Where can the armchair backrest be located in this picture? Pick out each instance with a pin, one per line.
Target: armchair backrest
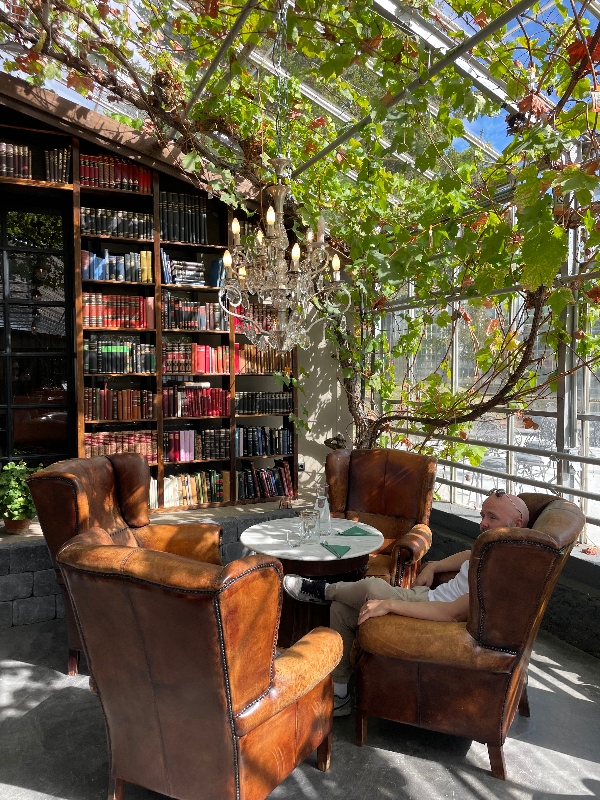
(513, 572)
(199, 643)
(389, 489)
(110, 492)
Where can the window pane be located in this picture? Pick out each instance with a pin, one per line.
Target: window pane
(3, 438)
(35, 231)
(39, 430)
(37, 328)
(35, 276)
(39, 381)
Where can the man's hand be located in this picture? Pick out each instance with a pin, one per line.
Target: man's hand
(373, 608)
(426, 576)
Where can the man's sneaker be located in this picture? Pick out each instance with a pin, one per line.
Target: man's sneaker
(305, 589)
(342, 706)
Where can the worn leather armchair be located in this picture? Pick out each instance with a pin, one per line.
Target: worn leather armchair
(391, 490)
(110, 492)
(204, 709)
(468, 679)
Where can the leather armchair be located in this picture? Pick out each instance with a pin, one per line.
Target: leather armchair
(110, 492)
(391, 490)
(468, 679)
(204, 709)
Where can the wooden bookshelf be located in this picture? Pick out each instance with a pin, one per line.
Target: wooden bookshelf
(73, 195)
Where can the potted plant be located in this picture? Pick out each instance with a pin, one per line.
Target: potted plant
(16, 503)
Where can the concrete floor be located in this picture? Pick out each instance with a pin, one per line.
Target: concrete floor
(53, 746)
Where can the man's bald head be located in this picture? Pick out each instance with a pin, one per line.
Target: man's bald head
(504, 511)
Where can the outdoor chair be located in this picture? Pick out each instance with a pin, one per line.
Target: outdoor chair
(391, 490)
(468, 679)
(205, 708)
(110, 492)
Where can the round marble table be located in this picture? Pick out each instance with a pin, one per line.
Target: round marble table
(311, 561)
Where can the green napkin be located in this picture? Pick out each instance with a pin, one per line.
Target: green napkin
(338, 550)
(355, 531)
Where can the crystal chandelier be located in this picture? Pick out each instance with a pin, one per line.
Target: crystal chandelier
(275, 294)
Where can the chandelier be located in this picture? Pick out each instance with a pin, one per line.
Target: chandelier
(276, 294)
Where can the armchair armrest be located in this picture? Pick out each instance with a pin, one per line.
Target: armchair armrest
(408, 550)
(198, 540)
(445, 643)
(297, 670)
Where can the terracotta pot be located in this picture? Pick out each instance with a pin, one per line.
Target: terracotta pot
(16, 525)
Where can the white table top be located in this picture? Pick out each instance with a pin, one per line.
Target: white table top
(270, 538)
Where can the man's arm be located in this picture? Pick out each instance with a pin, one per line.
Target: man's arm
(449, 564)
(454, 611)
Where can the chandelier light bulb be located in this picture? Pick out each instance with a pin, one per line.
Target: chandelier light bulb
(309, 235)
(296, 252)
(259, 237)
(235, 225)
(271, 218)
(227, 262)
(335, 266)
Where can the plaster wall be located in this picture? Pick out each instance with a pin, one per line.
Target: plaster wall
(327, 408)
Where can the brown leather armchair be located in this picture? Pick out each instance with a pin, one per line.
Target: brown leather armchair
(391, 490)
(110, 492)
(204, 708)
(469, 678)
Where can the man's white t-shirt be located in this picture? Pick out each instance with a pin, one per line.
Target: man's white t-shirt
(455, 588)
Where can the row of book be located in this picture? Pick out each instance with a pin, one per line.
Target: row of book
(263, 441)
(120, 224)
(15, 160)
(207, 486)
(117, 404)
(120, 356)
(249, 359)
(189, 358)
(264, 403)
(110, 172)
(265, 316)
(105, 443)
(192, 445)
(192, 401)
(191, 273)
(183, 218)
(265, 482)
(187, 314)
(57, 164)
(117, 311)
(126, 267)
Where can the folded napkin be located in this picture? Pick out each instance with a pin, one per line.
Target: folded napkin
(355, 531)
(338, 550)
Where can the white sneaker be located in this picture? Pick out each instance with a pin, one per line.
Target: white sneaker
(342, 706)
(305, 589)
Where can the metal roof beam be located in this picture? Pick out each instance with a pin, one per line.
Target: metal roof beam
(447, 60)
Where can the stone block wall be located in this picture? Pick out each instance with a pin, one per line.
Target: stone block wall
(28, 588)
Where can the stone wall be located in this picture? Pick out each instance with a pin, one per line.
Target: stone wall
(28, 588)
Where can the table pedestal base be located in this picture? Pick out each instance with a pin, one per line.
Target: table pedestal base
(297, 619)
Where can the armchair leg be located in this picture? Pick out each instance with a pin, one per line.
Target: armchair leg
(360, 727)
(115, 788)
(497, 764)
(73, 662)
(324, 753)
(524, 703)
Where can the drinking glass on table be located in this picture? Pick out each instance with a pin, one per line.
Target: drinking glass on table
(309, 526)
(322, 507)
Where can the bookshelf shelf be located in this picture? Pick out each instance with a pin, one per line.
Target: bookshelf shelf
(117, 283)
(106, 238)
(105, 190)
(255, 458)
(196, 287)
(195, 330)
(85, 210)
(121, 330)
(36, 184)
(219, 247)
(171, 419)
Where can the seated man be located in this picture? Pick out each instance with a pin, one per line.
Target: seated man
(353, 603)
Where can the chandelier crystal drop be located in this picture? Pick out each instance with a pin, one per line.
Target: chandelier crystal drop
(293, 293)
